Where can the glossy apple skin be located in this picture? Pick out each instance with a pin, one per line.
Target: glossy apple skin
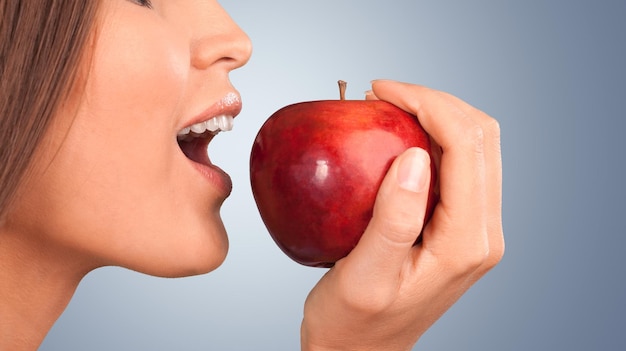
(315, 169)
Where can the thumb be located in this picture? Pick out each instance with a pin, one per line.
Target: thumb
(397, 219)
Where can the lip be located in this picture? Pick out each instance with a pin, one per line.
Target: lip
(229, 104)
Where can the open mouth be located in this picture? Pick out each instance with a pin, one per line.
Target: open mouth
(194, 140)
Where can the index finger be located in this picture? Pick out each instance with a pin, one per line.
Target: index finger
(462, 204)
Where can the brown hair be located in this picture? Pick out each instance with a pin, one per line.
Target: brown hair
(41, 46)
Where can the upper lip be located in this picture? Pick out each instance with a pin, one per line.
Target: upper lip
(229, 105)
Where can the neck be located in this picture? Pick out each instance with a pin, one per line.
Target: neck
(37, 283)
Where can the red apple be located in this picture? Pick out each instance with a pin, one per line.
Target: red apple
(315, 169)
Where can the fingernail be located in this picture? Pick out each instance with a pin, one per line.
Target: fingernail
(412, 170)
(379, 80)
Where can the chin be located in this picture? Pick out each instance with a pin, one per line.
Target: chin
(201, 253)
(201, 259)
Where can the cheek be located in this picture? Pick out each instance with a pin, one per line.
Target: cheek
(143, 80)
(126, 122)
(111, 185)
(110, 180)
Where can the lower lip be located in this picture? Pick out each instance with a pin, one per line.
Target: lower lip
(216, 176)
(198, 156)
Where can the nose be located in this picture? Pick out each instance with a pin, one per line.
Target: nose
(220, 41)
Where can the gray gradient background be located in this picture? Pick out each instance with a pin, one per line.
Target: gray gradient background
(550, 71)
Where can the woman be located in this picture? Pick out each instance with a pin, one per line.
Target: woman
(97, 169)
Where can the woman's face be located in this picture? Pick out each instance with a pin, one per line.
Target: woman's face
(113, 179)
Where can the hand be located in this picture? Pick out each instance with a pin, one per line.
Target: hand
(387, 292)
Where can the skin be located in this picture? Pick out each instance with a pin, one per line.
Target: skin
(386, 293)
(110, 186)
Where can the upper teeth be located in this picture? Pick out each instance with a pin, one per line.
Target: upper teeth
(213, 125)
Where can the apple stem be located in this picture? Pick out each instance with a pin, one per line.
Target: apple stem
(342, 89)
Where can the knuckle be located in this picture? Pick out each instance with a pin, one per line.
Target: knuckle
(495, 257)
(492, 132)
(470, 261)
(496, 253)
(472, 136)
(476, 137)
(444, 96)
(397, 231)
(492, 128)
(477, 259)
(367, 301)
